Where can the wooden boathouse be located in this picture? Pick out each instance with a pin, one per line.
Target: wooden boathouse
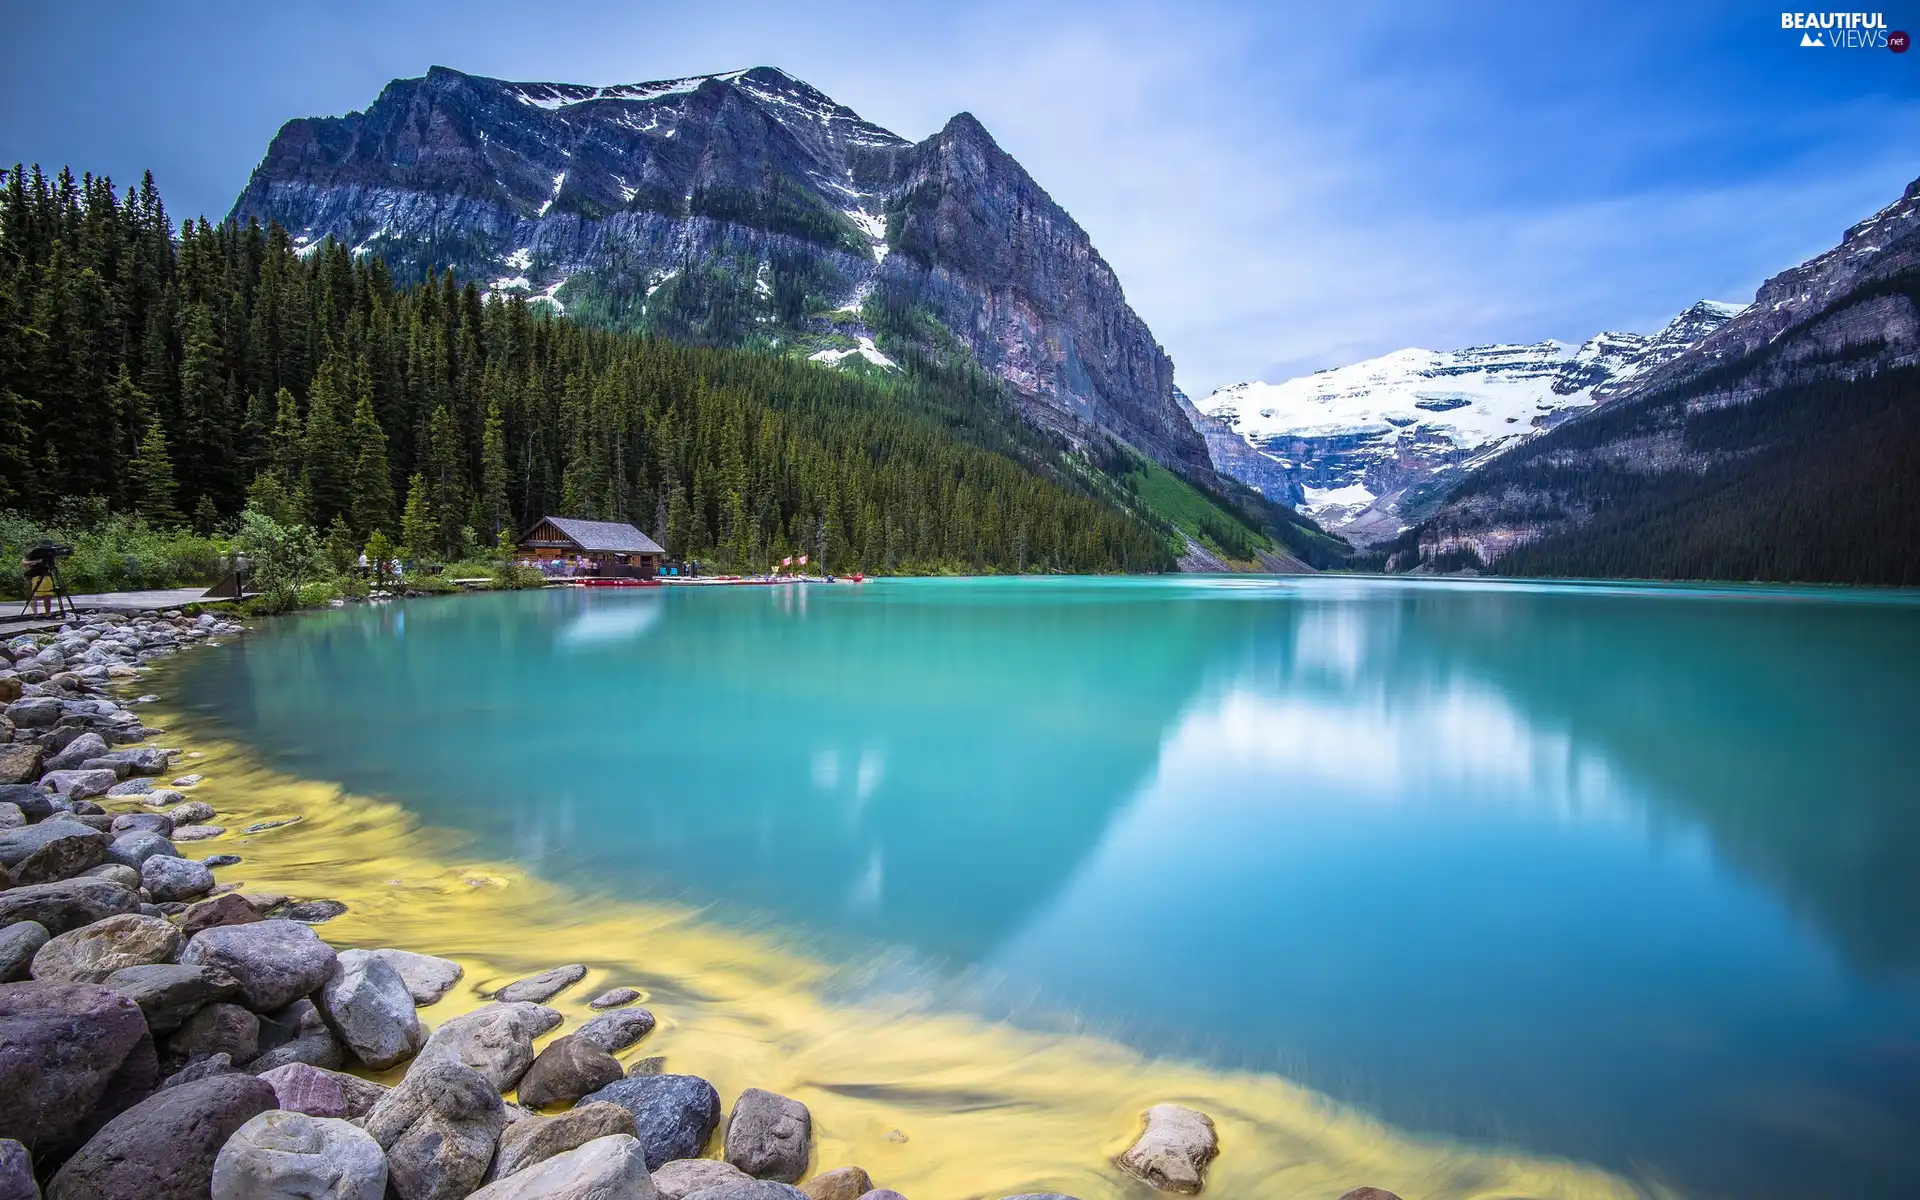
(607, 549)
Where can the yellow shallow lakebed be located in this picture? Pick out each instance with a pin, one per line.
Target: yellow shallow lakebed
(937, 1105)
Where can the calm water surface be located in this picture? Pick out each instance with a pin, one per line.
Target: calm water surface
(1630, 875)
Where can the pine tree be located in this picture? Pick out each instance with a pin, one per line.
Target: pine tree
(492, 499)
(419, 524)
(340, 545)
(370, 500)
(150, 482)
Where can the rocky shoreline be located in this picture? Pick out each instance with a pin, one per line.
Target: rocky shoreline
(164, 1034)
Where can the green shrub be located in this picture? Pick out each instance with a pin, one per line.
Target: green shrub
(111, 553)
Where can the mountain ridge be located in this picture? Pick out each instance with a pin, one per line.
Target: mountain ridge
(1367, 447)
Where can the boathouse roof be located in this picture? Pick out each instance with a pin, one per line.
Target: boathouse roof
(616, 537)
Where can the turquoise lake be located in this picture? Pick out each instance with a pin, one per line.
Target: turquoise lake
(1629, 875)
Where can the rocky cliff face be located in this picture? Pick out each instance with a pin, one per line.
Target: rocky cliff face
(1690, 450)
(743, 207)
(1369, 449)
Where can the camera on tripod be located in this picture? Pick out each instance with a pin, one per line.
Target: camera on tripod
(41, 566)
(40, 559)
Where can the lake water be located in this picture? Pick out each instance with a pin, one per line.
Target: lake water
(1625, 875)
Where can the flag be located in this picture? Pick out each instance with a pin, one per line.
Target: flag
(787, 561)
(803, 560)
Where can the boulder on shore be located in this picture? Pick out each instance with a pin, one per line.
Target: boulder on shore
(275, 962)
(769, 1136)
(615, 1031)
(368, 1006)
(164, 1147)
(169, 878)
(66, 904)
(684, 1176)
(567, 1069)
(438, 1128)
(841, 1183)
(495, 1040)
(673, 1115)
(1173, 1151)
(55, 849)
(169, 993)
(73, 1055)
(603, 1169)
(292, 1156)
(538, 989)
(318, 1092)
(531, 1139)
(92, 953)
(19, 942)
(427, 978)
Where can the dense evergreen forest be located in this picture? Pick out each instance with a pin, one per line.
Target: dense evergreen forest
(183, 375)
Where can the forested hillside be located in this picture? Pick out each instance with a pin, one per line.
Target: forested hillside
(183, 376)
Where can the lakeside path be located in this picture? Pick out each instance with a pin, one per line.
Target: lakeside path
(936, 1105)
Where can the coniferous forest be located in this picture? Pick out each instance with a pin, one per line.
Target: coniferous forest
(184, 375)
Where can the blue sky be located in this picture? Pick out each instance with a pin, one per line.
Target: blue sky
(1279, 187)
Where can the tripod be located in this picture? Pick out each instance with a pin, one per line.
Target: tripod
(45, 585)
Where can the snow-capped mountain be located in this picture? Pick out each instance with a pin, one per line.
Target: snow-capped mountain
(1362, 448)
(725, 208)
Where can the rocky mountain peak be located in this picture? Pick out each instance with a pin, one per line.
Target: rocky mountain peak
(723, 207)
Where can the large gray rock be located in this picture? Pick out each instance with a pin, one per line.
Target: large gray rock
(673, 1115)
(164, 1147)
(320, 1049)
(538, 989)
(749, 1189)
(135, 847)
(1173, 1151)
(16, 1172)
(93, 953)
(127, 877)
(615, 1031)
(78, 751)
(613, 998)
(83, 784)
(275, 962)
(72, 1055)
(684, 1176)
(370, 1009)
(19, 763)
(217, 1029)
(35, 712)
(1368, 1193)
(146, 760)
(293, 1156)
(567, 1069)
(769, 1136)
(141, 822)
(608, 1168)
(55, 849)
(228, 908)
(438, 1128)
(318, 1092)
(169, 993)
(10, 816)
(427, 978)
(531, 1139)
(19, 942)
(34, 801)
(168, 878)
(841, 1183)
(495, 1040)
(67, 904)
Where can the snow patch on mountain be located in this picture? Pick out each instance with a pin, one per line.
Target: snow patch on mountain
(865, 349)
